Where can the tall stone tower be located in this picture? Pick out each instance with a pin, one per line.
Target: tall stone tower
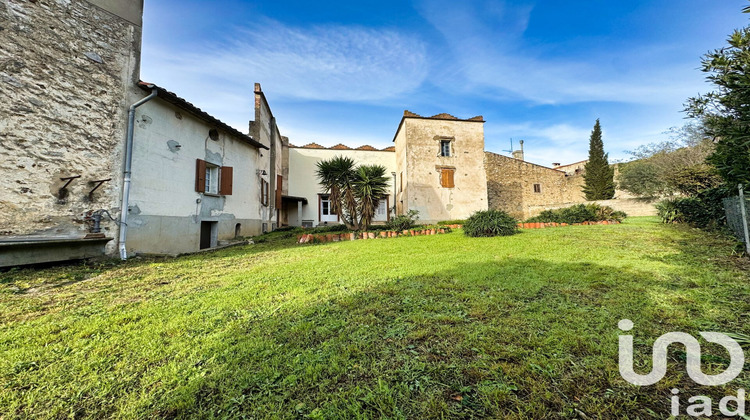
(440, 166)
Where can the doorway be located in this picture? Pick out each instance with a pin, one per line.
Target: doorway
(209, 232)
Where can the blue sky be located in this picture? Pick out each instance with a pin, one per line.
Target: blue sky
(542, 71)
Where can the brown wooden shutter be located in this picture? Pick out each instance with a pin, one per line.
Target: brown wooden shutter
(279, 182)
(446, 178)
(226, 180)
(200, 175)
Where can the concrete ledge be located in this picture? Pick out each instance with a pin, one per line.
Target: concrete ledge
(25, 250)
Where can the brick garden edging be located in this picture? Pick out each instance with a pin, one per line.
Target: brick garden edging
(553, 224)
(353, 236)
(309, 238)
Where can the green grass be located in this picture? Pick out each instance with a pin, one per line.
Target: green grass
(441, 326)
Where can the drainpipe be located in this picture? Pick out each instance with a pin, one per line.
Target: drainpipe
(126, 172)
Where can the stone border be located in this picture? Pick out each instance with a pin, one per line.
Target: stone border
(383, 234)
(540, 225)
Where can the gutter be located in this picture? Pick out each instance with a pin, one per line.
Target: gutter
(127, 171)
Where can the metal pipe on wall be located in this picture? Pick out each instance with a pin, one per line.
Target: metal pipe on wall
(127, 172)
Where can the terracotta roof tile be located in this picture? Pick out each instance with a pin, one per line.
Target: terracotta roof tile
(313, 146)
(365, 147)
(477, 118)
(408, 113)
(340, 147)
(444, 116)
(390, 149)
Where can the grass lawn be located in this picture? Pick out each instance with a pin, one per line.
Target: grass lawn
(445, 326)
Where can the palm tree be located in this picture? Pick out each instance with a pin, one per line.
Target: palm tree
(337, 175)
(370, 186)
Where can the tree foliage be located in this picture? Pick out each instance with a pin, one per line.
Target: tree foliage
(677, 165)
(599, 176)
(354, 192)
(725, 112)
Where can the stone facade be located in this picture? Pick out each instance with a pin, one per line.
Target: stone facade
(516, 186)
(67, 74)
(439, 161)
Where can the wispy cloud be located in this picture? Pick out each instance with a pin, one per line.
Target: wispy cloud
(497, 63)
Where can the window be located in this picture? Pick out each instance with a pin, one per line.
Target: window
(307, 223)
(445, 148)
(446, 177)
(537, 188)
(326, 209)
(213, 179)
(401, 182)
(264, 192)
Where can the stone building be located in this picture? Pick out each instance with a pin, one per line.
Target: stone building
(522, 188)
(438, 164)
(68, 72)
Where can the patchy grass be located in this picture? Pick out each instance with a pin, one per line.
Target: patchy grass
(442, 326)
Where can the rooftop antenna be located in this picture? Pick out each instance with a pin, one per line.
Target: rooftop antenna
(511, 146)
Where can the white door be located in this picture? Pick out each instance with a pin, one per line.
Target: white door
(381, 214)
(326, 212)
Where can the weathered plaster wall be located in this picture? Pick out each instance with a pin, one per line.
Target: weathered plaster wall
(165, 209)
(64, 69)
(264, 130)
(302, 167)
(510, 185)
(424, 193)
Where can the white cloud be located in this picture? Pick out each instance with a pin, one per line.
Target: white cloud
(497, 64)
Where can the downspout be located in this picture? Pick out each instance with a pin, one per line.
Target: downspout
(126, 172)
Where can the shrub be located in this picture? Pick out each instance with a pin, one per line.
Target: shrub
(451, 222)
(490, 223)
(668, 210)
(404, 221)
(578, 214)
(704, 210)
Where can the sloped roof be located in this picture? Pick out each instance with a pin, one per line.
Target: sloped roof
(183, 104)
(341, 146)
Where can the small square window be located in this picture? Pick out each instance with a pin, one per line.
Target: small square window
(537, 188)
(445, 148)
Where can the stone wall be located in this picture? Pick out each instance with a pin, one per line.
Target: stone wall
(511, 185)
(67, 68)
(631, 206)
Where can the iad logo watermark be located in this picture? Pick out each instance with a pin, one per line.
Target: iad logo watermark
(703, 404)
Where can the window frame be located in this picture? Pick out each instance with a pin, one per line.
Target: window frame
(537, 188)
(446, 148)
(330, 208)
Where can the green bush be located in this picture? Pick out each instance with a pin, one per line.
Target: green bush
(668, 210)
(578, 214)
(704, 210)
(404, 221)
(490, 223)
(451, 222)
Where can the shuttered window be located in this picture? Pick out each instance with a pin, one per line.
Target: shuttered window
(212, 179)
(446, 177)
(226, 173)
(264, 192)
(279, 189)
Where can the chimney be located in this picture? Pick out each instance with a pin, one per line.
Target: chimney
(518, 154)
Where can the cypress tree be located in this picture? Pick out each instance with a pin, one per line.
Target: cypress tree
(599, 176)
